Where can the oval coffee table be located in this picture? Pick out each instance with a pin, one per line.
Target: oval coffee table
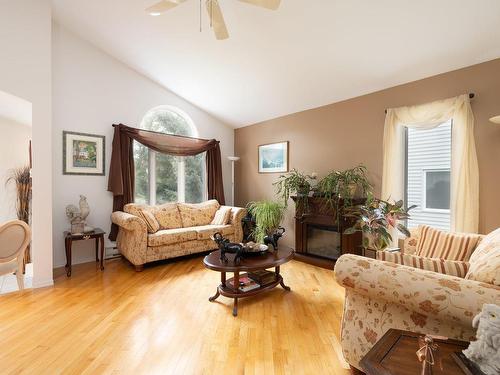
(230, 287)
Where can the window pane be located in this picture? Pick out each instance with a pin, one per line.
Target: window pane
(429, 151)
(437, 186)
(141, 161)
(172, 179)
(166, 178)
(167, 121)
(195, 178)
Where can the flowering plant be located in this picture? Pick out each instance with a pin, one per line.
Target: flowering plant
(375, 218)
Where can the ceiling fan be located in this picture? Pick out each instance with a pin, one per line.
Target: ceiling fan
(214, 12)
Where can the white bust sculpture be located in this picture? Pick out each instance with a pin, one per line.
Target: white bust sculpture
(485, 351)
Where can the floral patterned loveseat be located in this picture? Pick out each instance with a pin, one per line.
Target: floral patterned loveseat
(382, 295)
(150, 233)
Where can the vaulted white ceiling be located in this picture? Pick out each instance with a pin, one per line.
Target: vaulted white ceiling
(306, 54)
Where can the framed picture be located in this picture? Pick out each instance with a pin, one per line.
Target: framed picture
(273, 157)
(83, 154)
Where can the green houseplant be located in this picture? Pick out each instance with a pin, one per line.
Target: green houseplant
(376, 218)
(268, 216)
(293, 182)
(343, 185)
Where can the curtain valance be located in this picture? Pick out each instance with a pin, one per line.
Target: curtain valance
(122, 175)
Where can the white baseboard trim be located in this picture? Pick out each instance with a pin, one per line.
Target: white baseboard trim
(42, 283)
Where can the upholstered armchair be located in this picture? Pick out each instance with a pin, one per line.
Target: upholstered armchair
(384, 294)
(15, 237)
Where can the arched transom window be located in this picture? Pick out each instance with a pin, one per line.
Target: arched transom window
(161, 178)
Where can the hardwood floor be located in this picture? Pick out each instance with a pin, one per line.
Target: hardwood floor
(160, 321)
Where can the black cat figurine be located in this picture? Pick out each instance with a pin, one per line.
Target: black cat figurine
(272, 239)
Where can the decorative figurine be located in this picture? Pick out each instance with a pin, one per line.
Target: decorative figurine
(77, 216)
(228, 247)
(272, 239)
(426, 354)
(485, 351)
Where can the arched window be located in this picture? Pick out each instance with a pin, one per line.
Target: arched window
(161, 178)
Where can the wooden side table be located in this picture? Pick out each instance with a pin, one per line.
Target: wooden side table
(395, 354)
(97, 234)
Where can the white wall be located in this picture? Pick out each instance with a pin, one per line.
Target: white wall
(14, 146)
(92, 91)
(25, 44)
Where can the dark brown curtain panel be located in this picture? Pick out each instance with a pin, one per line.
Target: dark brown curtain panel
(122, 175)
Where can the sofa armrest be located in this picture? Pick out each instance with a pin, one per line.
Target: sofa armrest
(424, 292)
(132, 240)
(128, 221)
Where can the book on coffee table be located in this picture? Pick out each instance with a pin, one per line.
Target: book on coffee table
(247, 284)
(262, 277)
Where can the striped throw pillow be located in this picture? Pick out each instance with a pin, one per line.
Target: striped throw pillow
(149, 218)
(434, 243)
(447, 267)
(222, 216)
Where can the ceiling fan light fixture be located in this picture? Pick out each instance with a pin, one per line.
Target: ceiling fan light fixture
(216, 18)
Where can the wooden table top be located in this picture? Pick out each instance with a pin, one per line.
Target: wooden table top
(395, 354)
(251, 263)
(92, 234)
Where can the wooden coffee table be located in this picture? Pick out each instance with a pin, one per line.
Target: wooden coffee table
(229, 287)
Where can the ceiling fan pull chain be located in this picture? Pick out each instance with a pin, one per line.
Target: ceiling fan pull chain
(200, 15)
(211, 12)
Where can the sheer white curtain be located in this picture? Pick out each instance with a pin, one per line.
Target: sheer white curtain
(464, 204)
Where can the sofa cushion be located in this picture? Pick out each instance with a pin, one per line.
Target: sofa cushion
(434, 243)
(485, 261)
(134, 208)
(168, 216)
(448, 267)
(204, 232)
(150, 220)
(196, 214)
(171, 236)
(222, 216)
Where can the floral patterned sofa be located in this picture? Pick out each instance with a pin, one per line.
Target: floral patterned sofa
(150, 233)
(382, 295)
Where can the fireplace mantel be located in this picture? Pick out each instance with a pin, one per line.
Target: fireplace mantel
(318, 215)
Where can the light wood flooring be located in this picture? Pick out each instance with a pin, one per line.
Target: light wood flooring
(160, 321)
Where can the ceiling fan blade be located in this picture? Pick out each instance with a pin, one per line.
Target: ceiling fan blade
(217, 20)
(163, 6)
(268, 4)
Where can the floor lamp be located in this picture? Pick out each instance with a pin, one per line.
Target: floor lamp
(232, 159)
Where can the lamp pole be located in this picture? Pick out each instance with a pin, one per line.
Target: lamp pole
(232, 159)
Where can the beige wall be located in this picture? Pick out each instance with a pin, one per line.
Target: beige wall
(344, 134)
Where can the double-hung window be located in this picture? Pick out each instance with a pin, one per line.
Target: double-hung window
(161, 178)
(428, 163)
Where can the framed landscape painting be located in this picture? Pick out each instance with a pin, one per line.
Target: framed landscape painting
(273, 158)
(83, 154)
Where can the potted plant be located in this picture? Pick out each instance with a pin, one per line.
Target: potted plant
(375, 219)
(294, 182)
(344, 185)
(268, 216)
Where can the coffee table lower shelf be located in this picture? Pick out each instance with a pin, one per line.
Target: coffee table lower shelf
(227, 289)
